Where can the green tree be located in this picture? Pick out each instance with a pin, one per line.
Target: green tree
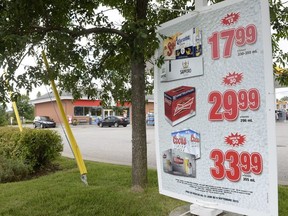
(285, 98)
(279, 23)
(88, 51)
(3, 116)
(25, 109)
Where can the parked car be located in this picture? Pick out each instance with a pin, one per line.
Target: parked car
(113, 121)
(43, 122)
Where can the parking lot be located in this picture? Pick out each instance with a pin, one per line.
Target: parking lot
(113, 145)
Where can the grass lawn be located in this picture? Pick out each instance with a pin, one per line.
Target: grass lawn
(63, 193)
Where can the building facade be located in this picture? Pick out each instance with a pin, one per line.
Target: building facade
(82, 110)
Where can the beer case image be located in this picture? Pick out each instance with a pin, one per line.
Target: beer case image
(179, 104)
(188, 141)
(179, 163)
(189, 44)
(169, 46)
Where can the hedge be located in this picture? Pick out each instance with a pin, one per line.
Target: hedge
(35, 148)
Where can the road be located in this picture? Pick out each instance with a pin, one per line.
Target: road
(113, 145)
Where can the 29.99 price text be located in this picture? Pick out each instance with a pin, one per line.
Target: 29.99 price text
(227, 105)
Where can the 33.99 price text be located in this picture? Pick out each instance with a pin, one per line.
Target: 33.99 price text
(237, 164)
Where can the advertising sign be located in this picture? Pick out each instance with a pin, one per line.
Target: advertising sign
(214, 106)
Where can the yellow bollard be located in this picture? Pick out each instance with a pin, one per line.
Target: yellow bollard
(17, 115)
(16, 111)
(73, 143)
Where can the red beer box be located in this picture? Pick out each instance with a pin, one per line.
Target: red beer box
(180, 104)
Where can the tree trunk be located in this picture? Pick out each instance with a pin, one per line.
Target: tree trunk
(139, 144)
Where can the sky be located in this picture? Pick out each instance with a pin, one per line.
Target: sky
(279, 92)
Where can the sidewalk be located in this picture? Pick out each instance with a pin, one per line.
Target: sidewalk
(282, 151)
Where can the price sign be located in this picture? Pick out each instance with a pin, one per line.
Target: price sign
(215, 108)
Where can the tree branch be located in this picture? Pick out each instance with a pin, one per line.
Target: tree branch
(77, 33)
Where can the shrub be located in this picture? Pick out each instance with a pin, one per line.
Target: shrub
(12, 170)
(35, 148)
(9, 142)
(40, 147)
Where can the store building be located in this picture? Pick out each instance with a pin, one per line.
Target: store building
(84, 110)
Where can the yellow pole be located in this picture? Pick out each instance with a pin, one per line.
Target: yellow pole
(74, 146)
(17, 115)
(15, 111)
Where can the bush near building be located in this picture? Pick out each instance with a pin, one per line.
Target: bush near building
(28, 152)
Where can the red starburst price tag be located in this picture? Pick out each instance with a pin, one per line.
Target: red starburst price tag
(237, 164)
(226, 106)
(233, 78)
(235, 139)
(230, 19)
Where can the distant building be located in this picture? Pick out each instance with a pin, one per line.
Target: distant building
(281, 105)
(84, 110)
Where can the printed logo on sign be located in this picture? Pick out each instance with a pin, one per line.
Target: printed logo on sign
(179, 140)
(186, 69)
(181, 40)
(230, 19)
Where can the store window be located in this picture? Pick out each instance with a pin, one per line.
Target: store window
(96, 111)
(78, 111)
(87, 111)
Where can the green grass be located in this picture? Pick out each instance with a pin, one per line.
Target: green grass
(109, 193)
(62, 193)
(283, 200)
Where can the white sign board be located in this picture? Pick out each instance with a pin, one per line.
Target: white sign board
(214, 106)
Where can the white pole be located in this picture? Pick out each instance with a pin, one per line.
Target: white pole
(200, 3)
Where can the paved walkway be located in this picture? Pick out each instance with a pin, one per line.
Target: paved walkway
(282, 151)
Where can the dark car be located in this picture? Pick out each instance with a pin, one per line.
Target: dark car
(113, 121)
(43, 122)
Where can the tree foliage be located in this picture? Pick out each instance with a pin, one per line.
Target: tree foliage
(3, 116)
(279, 23)
(25, 109)
(285, 98)
(89, 51)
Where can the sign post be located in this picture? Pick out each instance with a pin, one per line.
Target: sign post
(215, 120)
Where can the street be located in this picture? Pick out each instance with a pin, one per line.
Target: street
(113, 145)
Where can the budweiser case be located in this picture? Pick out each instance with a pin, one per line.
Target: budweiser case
(179, 104)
